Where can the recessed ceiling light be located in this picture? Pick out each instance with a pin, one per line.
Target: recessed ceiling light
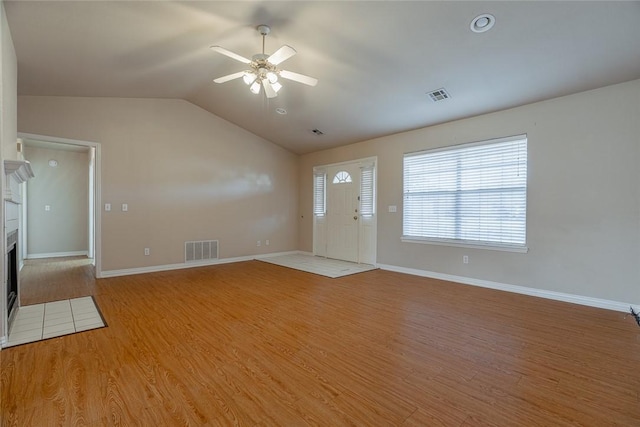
(281, 111)
(482, 23)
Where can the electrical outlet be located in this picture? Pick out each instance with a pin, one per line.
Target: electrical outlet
(465, 259)
(107, 207)
(266, 242)
(125, 207)
(258, 244)
(147, 252)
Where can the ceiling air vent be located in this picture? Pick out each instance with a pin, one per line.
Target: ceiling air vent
(439, 95)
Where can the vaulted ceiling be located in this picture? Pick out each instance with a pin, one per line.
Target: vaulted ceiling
(375, 61)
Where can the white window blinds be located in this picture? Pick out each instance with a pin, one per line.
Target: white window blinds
(367, 192)
(319, 193)
(471, 194)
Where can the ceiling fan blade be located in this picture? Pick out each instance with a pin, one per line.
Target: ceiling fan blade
(300, 78)
(281, 55)
(230, 54)
(268, 89)
(224, 79)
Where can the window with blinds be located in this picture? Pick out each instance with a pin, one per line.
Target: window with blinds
(474, 194)
(319, 193)
(367, 192)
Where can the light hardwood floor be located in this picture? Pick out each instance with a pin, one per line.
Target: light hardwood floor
(257, 344)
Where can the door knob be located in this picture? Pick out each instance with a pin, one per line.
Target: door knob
(355, 217)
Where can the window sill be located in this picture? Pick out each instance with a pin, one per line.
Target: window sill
(491, 247)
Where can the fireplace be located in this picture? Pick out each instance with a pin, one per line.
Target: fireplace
(16, 172)
(12, 274)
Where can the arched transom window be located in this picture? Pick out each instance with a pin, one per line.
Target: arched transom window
(342, 177)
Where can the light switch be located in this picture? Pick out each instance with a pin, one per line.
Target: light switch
(125, 207)
(393, 208)
(107, 207)
(47, 207)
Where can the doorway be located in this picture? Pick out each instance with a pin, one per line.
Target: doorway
(344, 211)
(60, 216)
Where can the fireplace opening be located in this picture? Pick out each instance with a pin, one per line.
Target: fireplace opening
(12, 272)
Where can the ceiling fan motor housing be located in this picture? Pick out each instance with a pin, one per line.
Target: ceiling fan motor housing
(264, 29)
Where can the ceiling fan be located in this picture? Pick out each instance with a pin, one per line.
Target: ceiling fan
(263, 71)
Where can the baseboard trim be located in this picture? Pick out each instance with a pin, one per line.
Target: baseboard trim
(541, 293)
(57, 254)
(167, 267)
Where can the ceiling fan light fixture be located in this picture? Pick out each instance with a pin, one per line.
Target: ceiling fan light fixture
(255, 87)
(249, 77)
(272, 77)
(264, 69)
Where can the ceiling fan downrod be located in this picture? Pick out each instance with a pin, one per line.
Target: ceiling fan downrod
(264, 30)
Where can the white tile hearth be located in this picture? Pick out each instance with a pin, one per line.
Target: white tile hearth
(317, 265)
(53, 319)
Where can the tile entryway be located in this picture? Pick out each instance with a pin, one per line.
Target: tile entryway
(318, 265)
(53, 319)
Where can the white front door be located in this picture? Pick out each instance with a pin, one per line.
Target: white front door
(343, 190)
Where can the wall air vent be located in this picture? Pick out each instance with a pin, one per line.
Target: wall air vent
(438, 95)
(202, 250)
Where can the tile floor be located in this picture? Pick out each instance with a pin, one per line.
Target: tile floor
(53, 319)
(318, 265)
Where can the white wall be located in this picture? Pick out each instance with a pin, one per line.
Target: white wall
(63, 229)
(583, 215)
(184, 173)
(9, 92)
(8, 136)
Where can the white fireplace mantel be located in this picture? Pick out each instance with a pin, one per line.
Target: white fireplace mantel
(20, 171)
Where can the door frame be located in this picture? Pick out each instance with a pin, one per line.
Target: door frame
(320, 230)
(97, 194)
